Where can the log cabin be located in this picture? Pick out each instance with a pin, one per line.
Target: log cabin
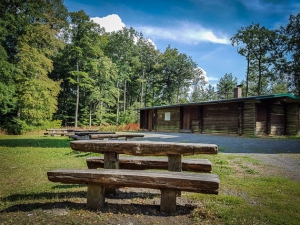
(251, 116)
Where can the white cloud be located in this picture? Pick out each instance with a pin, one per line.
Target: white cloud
(111, 22)
(185, 33)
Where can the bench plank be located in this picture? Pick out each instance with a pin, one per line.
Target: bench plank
(146, 148)
(191, 182)
(168, 182)
(144, 163)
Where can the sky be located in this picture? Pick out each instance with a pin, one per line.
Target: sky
(200, 29)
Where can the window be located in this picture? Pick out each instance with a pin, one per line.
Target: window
(167, 116)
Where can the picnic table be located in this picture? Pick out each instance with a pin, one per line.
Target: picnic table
(85, 135)
(169, 182)
(115, 136)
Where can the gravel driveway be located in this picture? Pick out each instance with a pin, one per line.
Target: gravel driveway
(281, 153)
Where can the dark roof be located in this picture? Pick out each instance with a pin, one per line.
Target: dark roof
(287, 98)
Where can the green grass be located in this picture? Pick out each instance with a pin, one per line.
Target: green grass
(247, 194)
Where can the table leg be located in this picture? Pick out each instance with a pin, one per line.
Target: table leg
(175, 164)
(168, 200)
(111, 161)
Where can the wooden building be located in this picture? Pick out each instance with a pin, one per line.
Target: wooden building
(260, 115)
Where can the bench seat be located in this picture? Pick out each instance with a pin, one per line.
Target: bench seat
(144, 163)
(168, 182)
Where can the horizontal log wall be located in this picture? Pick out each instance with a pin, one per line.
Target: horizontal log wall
(292, 119)
(220, 118)
(249, 118)
(261, 118)
(195, 126)
(277, 119)
(173, 125)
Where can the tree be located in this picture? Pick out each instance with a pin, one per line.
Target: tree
(28, 37)
(177, 72)
(257, 45)
(226, 86)
(292, 50)
(76, 64)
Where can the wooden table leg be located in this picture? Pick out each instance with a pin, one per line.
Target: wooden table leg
(175, 164)
(111, 161)
(168, 200)
(95, 196)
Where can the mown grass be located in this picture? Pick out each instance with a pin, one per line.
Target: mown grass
(248, 194)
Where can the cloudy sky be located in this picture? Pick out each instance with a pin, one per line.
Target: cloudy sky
(199, 28)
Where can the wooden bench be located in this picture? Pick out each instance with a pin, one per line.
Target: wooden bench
(85, 135)
(144, 163)
(54, 132)
(115, 136)
(168, 183)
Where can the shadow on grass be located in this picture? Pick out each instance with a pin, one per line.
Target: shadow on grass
(75, 194)
(46, 195)
(40, 143)
(120, 206)
(111, 208)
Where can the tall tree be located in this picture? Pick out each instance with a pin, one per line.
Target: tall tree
(256, 47)
(226, 85)
(76, 63)
(29, 37)
(292, 33)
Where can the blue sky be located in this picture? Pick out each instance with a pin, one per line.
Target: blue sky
(199, 28)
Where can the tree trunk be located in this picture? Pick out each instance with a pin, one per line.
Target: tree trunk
(90, 118)
(142, 87)
(124, 105)
(247, 75)
(118, 101)
(77, 98)
(259, 78)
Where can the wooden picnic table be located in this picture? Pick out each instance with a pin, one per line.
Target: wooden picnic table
(170, 183)
(174, 151)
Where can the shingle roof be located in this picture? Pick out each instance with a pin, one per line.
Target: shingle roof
(287, 97)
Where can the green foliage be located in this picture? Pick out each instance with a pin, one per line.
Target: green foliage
(226, 85)
(60, 65)
(28, 45)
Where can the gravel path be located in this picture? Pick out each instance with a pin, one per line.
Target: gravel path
(281, 153)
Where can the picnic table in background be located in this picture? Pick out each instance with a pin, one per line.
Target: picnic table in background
(85, 135)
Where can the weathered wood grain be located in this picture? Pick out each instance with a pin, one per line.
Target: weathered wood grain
(144, 163)
(190, 182)
(106, 136)
(146, 148)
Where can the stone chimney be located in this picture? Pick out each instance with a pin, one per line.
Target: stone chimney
(238, 91)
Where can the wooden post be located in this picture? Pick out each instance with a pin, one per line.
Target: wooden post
(168, 200)
(95, 196)
(175, 164)
(111, 161)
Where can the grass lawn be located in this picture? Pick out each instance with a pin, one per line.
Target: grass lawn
(249, 193)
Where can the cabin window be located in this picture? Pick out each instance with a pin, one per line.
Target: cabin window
(167, 116)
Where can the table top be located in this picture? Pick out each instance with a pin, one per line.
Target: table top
(143, 148)
(83, 133)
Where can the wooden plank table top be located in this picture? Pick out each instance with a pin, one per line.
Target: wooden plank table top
(143, 148)
(106, 136)
(84, 133)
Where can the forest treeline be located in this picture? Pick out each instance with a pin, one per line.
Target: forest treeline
(59, 68)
